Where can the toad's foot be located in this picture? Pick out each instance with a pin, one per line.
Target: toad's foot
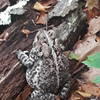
(38, 95)
(23, 57)
(65, 91)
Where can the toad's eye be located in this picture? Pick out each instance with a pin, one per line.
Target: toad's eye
(51, 34)
(43, 37)
(37, 37)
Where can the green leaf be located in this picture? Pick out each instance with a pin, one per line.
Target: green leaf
(96, 80)
(93, 60)
(73, 56)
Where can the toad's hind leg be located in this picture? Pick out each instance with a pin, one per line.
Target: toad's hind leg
(65, 91)
(38, 95)
(23, 57)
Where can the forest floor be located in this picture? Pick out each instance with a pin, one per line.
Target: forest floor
(84, 55)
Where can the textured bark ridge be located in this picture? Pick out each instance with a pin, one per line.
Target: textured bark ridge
(63, 7)
(12, 73)
(71, 12)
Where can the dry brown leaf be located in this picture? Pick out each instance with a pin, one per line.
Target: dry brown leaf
(91, 74)
(39, 7)
(42, 7)
(42, 18)
(90, 88)
(84, 94)
(92, 13)
(91, 43)
(93, 8)
(90, 4)
(85, 90)
(94, 25)
(75, 96)
(88, 46)
(26, 32)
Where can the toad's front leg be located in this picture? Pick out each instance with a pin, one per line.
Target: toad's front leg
(24, 58)
(40, 95)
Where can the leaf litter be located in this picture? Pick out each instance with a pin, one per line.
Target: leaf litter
(43, 7)
(90, 44)
(92, 8)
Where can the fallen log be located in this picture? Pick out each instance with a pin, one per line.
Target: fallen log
(12, 73)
